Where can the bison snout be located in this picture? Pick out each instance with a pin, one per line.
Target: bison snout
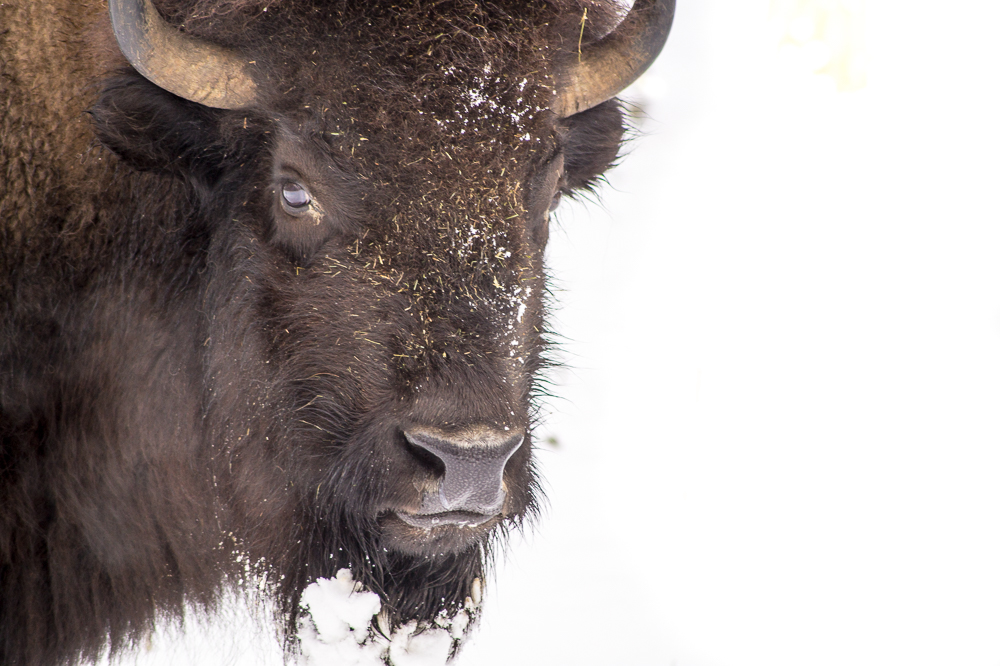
(474, 461)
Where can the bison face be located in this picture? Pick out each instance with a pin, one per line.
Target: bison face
(372, 289)
(394, 340)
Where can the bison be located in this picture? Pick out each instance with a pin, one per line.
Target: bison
(272, 291)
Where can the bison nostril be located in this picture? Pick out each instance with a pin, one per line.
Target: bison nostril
(474, 461)
(425, 457)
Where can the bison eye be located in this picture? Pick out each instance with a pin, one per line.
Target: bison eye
(294, 197)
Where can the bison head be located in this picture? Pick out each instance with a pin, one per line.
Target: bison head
(366, 190)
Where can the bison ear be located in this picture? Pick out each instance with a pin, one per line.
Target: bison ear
(154, 130)
(591, 143)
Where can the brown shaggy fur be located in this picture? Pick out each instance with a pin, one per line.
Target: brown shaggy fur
(190, 377)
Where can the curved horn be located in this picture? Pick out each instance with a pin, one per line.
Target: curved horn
(186, 66)
(606, 67)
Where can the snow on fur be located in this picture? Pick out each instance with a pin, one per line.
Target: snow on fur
(339, 626)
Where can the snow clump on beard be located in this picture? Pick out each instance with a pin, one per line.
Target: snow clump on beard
(341, 624)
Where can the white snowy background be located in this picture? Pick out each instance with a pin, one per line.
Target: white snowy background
(779, 443)
(778, 437)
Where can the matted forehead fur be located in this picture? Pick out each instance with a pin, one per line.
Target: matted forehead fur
(443, 101)
(434, 115)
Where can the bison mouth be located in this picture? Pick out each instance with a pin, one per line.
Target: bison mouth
(457, 518)
(429, 534)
